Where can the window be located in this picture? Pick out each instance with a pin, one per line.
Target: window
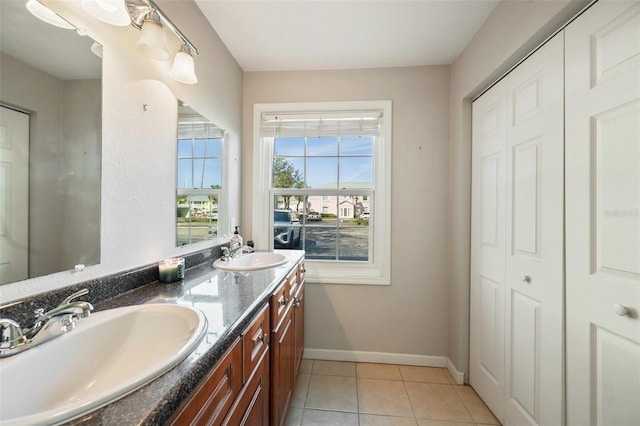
(199, 179)
(318, 168)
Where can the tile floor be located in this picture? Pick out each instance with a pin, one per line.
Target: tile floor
(332, 393)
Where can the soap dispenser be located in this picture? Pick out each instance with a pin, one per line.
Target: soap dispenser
(236, 240)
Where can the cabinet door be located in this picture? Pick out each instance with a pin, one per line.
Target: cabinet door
(488, 246)
(298, 315)
(603, 215)
(282, 352)
(252, 406)
(212, 400)
(255, 341)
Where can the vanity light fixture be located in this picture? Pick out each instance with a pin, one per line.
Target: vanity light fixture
(47, 15)
(183, 70)
(153, 41)
(96, 49)
(146, 16)
(112, 12)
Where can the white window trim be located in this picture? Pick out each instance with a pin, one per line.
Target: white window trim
(223, 215)
(376, 272)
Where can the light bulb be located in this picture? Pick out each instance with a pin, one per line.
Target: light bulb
(112, 12)
(47, 15)
(183, 69)
(153, 41)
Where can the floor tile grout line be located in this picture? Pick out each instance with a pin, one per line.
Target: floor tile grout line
(357, 382)
(410, 403)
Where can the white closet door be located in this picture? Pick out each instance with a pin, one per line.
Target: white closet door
(534, 266)
(14, 195)
(603, 215)
(489, 136)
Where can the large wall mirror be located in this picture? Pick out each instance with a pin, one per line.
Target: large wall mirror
(201, 211)
(50, 146)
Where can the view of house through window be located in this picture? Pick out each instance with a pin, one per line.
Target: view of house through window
(199, 179)
(322, 187)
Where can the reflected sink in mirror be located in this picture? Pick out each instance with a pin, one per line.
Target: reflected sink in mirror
(103, 359)
(251, 262)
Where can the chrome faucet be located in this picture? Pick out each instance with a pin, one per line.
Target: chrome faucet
(46, 326)
(227, 253)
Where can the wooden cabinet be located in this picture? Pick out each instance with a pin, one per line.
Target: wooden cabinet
(255, 342)
(253, 383)
(213, 398)
(298, 326)
(298, 321)
(287, 340)
(252, 406)
(236, 390)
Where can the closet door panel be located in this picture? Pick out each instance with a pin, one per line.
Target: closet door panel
(534, 263)
(488, 247)
(603, 219)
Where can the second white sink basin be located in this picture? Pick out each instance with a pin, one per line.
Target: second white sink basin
(251, 262)
(107, 356)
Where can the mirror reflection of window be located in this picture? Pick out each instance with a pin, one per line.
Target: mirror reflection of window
(199, 177)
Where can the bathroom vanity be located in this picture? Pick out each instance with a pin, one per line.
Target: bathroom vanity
(253, 382)
(244, 369)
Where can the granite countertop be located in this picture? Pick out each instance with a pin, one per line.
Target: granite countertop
(228, 300)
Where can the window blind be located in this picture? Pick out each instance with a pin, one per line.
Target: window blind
(188, 129)
(312, 124)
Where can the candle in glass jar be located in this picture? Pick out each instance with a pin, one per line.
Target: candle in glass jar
(170, 270)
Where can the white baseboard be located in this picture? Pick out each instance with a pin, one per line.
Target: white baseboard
(457, 376)
(376, 357)
(386, 358)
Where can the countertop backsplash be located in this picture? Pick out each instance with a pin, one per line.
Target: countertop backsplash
(102, 288)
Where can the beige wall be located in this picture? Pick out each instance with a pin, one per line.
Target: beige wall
(82, 160)
(513, 29)
(408, 317)
(40, 93)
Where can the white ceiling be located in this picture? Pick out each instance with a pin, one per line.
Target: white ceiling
(270, 35)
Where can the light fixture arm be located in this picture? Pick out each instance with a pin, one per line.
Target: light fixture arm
(139, 11)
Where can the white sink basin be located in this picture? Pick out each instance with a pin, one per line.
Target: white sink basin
(108, 355)
(251, 262)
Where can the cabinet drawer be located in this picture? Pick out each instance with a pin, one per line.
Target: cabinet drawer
(279, 302)
(255, 341)
(213, 398)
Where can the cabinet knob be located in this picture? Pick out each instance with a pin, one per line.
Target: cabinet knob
(527, 279)
(283, 301)
(620, 310)
(296, 302)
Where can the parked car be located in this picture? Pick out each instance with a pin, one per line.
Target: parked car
(213, 215)
(314, 216)
(285, 232)
(364, 215)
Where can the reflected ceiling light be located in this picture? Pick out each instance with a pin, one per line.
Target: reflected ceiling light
(42, 12)
(153, 40)
(112, 12)
(96, 49)
(183, 69)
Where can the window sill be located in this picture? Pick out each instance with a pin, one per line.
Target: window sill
(346, 273)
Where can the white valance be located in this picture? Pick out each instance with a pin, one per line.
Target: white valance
(198, 129)
(313, 124)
